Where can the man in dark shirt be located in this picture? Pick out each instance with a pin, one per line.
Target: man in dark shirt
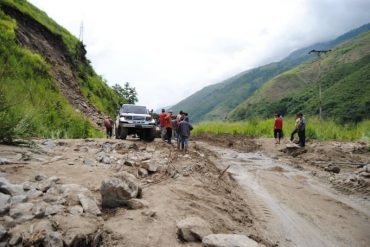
(184, 129)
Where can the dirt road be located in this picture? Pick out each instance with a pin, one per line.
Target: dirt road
(293, 207)
(270, 196)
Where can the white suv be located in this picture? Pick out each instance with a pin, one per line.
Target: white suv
(134, 119)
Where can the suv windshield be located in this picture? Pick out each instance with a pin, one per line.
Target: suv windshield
(134, 109)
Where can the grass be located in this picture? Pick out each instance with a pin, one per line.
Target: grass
(324, 130)
(30, 102)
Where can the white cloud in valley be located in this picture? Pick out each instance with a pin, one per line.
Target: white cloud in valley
(169, 49)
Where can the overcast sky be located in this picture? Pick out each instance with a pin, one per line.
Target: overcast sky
(169, 49)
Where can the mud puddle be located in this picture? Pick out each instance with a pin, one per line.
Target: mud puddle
(292, 207)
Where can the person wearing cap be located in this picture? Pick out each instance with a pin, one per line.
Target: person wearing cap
(162, 123)
(168, 119)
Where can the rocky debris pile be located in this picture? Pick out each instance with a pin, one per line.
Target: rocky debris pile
(358, 182)
(32, 213)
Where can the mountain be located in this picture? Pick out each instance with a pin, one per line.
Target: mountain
(218, 100)
(343, 74)
(46, 81)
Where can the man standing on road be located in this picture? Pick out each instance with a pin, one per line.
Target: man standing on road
(168, 119)
(162, 123)
(278, 128)
(184, 132)
(108, 124)
(300, 128)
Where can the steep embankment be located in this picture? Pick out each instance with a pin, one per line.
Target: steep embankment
(218, 100)
(344, 75)
(46, 77)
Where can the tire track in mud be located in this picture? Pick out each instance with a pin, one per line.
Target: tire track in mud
(292, 208)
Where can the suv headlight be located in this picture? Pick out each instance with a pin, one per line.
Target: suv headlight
(122, 119)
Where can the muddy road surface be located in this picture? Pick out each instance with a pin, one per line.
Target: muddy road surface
(292, 207)
(52, 193)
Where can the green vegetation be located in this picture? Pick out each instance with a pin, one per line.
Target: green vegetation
(344, 75)
(31, 104)
(324, 130)
(282, 86)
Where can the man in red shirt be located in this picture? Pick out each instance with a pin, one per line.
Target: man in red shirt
(108, 124)
(278, 128)
(168, 119)
(162, 123)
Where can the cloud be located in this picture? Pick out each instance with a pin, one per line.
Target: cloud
(169, 49)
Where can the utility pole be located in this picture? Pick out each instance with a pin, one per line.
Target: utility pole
(318, 53)
(81, 38)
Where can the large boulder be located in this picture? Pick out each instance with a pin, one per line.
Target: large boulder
(117, 190)
(228, 240)
(193, 229)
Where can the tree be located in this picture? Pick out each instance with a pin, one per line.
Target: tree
(128, 93)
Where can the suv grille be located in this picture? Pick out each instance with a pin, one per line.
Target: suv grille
(138, 118)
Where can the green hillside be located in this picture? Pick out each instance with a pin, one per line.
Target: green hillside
(344, 75)
(215, 102)
(37, 96)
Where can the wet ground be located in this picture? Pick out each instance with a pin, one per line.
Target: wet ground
(291, 206)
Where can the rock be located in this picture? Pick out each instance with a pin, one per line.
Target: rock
(78, 230)
(18, 199)
(137, 203)
(21, 211)
(193, 229)
(15, 239)
(9, 221)
(365, 174)
(9, 188)
(54, 209)
(75, 210)
(150, 166)
(228, 240)
(89, 204)
(89, 162)
(332, 168)
(33, 193)
(4, 203)
(46, 184)
(145, 156)
(142, 172)
(40, 177)
(3, 232)
(149, 213)
(39, 210)
(4, 161)
(53, 239)
(70, 193)
(117, 190)
(105, 159)
(367, 168)
(128, 163)
(27, 186)
(107, 147)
